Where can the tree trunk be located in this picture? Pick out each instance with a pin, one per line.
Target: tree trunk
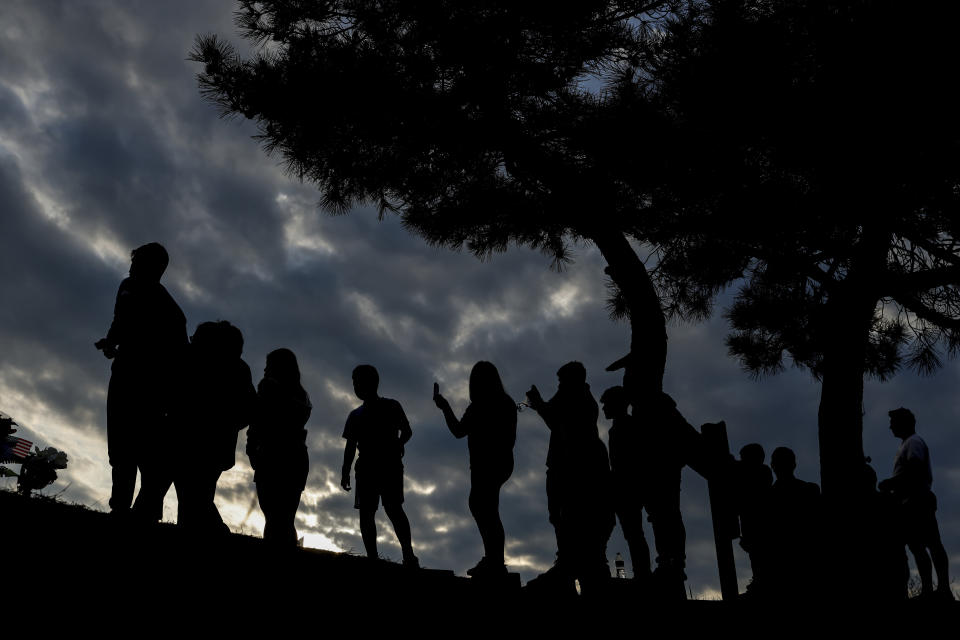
(840, 416)
(644, 365)
(840, 427)
(845, 333)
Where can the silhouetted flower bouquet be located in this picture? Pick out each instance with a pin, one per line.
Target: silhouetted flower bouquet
(38, 469)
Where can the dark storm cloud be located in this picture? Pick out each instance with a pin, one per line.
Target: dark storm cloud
(105, 144)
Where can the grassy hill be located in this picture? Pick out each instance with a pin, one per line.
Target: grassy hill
(85, 560)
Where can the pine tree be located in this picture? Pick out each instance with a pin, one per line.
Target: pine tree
(817, 166)
(481, 124)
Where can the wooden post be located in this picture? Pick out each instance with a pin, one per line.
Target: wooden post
(725, 524)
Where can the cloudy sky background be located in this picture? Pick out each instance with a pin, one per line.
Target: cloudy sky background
(105, 144)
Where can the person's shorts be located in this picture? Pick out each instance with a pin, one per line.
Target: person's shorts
(376, 483)
(919, 519)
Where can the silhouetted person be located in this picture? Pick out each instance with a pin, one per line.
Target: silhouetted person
(662, 429)
(277, 446)
(217, 401)
(146, 342)
(794, 531)
(911, 485)
(882, 558)
(579, 496)
(630, 476)
(379, 429)
(753, 482)
(490, 425)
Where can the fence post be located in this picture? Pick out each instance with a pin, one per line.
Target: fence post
(725, 524)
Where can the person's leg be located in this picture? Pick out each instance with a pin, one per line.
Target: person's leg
(585, 549)
(555, 511)
(156, 474)
(185, 484)
(906, 576)
(484, 504)
(401, 526)
(290, 506)
(279, 503)
(281, 523)
(631, 522)
(941, 563)
(368, 531)
(267, 496)
(670, 540)
(924, 566)
(390, 485)
(916, 526)
(155, 481)
(121, 446)
(211, 520)
(667, 522)
(367, 500)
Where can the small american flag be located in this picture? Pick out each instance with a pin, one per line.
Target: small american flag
(19, 448)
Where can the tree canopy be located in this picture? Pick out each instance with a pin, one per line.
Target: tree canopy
(820, 157)
(480, 123)
(806, 150)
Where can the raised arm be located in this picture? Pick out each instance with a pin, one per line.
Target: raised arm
(547, 411)
(457, 428)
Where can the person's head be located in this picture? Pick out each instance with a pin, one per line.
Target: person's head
(219, 339)
(149, 262)
(573, 374)
(903, 424)
(232, 339)
(615, 402)
(485, 383)
(752, 453)
(783, 462)
(204, 338)
(366, 381)
(282, 366)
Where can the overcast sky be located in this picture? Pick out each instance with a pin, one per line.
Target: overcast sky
(105, 145)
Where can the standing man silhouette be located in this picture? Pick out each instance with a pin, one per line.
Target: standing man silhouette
(379, 429)
(754, 481)
(911, 487)
(631, 480)
(579, 499)
(146, 342)
(794, 529)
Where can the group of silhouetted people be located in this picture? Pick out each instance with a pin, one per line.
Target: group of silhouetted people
(784, 531)
(201, 386)
(780, 521)
(199, 393)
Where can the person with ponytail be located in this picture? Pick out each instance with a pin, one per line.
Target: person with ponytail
(276, 446)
